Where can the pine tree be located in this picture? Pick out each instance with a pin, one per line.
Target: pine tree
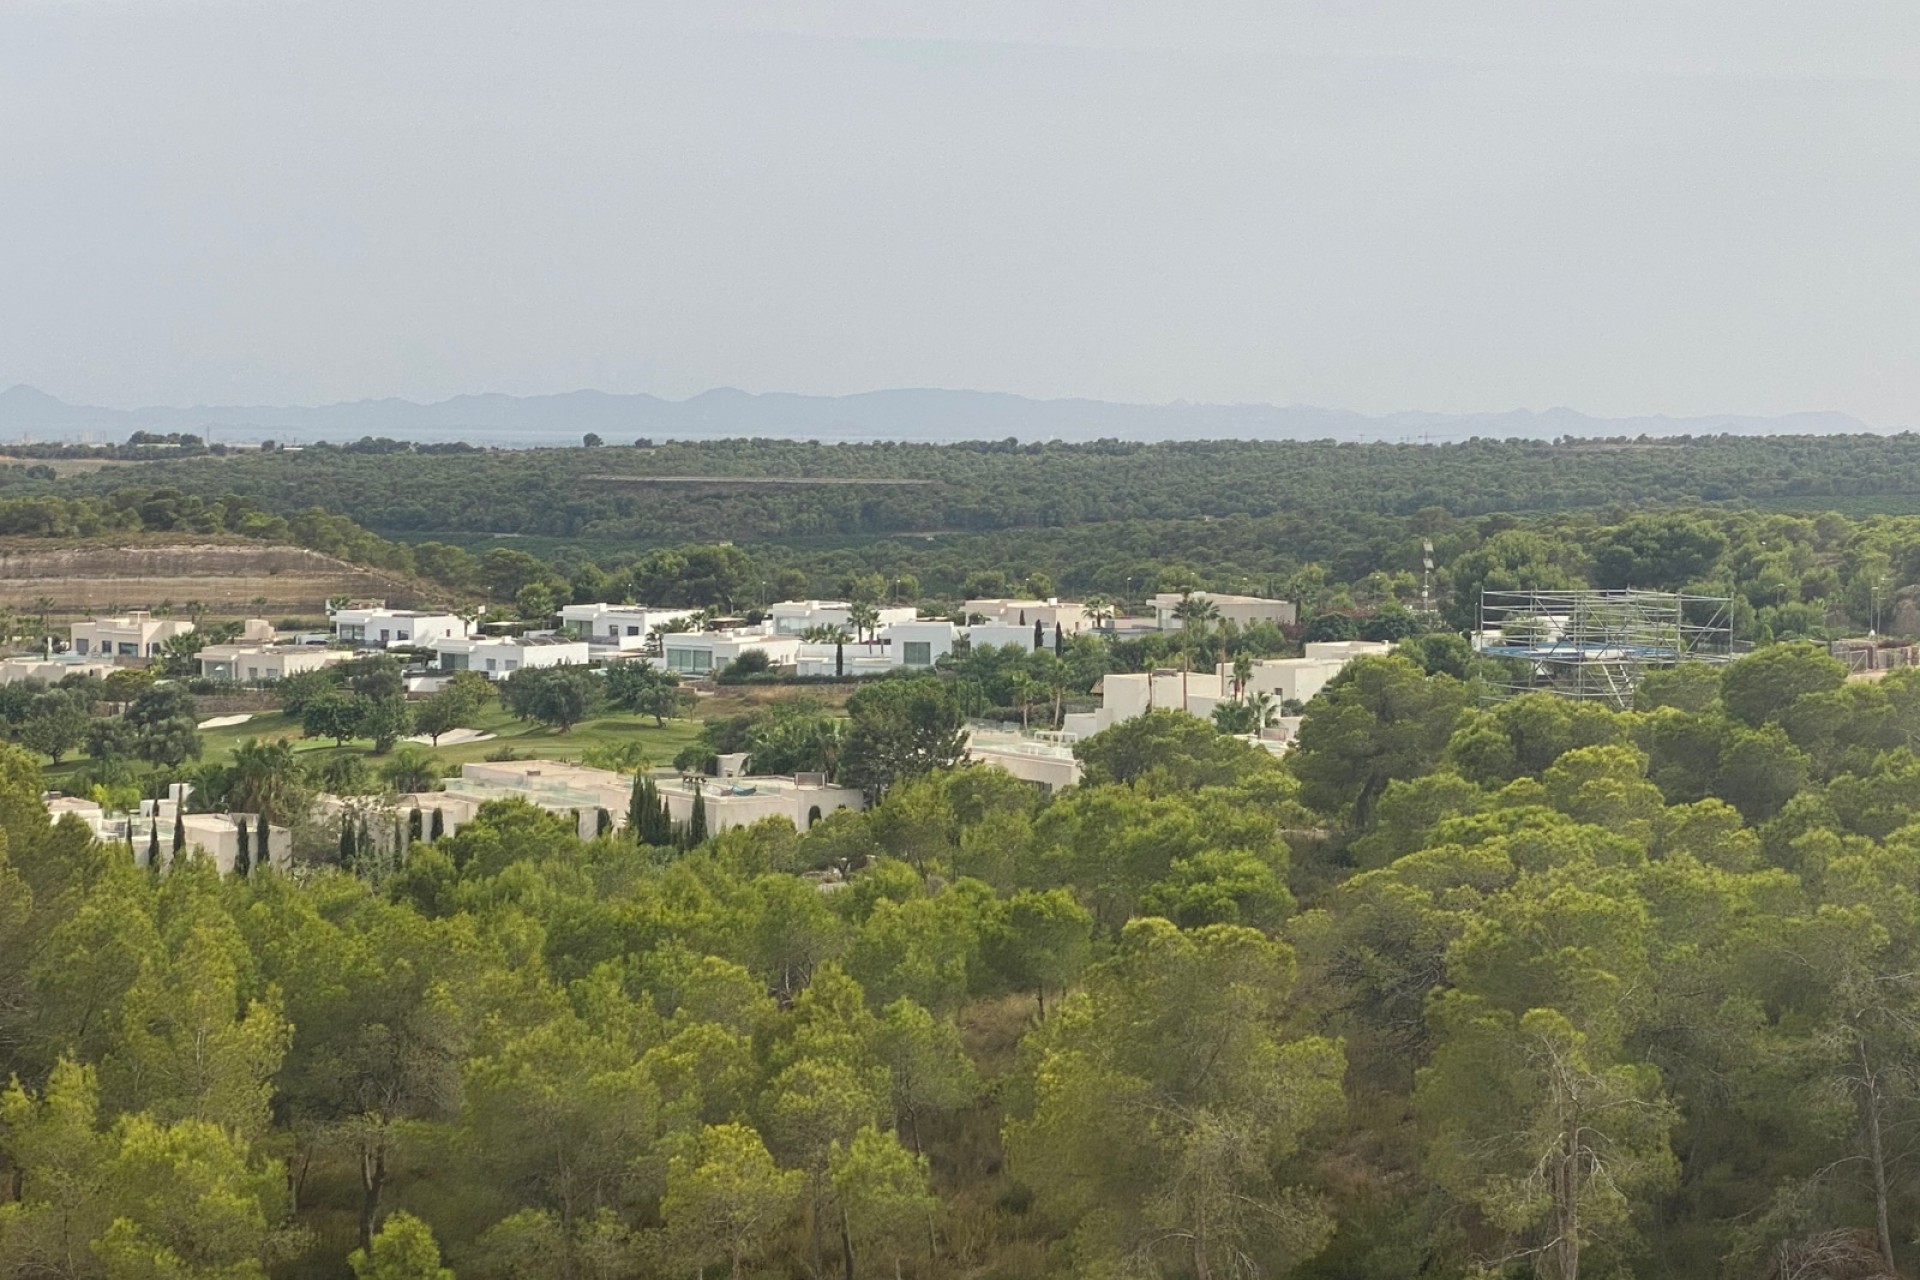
(262, 842)
(243, 857)
(439, 826)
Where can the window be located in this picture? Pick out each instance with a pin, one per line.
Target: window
(493, 664)
(633, 631)
(513, 664)
(917, 653)
(384, 635)
(129, 650)
(80, 646)
(696, 661)
(402, 636)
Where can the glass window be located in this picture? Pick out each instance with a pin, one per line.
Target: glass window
(917, 653)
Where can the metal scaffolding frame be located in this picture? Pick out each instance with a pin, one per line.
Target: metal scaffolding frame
(1599, 644)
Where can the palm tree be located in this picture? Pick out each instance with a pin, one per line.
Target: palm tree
(196, 610)
(1100, 609)
(264, 778)
(1264, 712)
(1242, 673)
(41, 608)
(259, 604)
(1026, 691)
(865, 619)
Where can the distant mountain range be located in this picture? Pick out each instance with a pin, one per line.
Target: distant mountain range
(921, 415)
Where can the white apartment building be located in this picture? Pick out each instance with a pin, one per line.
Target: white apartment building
(1242, 611)
(265, 663)
(618, 626)
(378, 627)
(135, 635)
(499, 657)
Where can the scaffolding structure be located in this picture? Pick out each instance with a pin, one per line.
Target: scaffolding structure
(1599, 644)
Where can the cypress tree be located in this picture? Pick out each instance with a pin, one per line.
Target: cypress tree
(416, 824)
(439, 825)
(637, 809)
(153, 845)
(603, 822)
(839, 659)
(262, 842)
(243, 857)
(697, 825)
(1039, 635)
(179, 834)
(1059, 641)
(349, 850)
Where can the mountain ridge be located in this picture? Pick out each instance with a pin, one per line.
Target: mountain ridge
(929, 414)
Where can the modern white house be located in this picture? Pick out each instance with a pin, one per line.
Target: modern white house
(569, 789)
(1002, 634)
(701, 653)
(803, 799)
(1242, 611)
(1024, 613)
(1125, 696)
(51, 670)
(1044, 759)
(265, 663)
(377, 627)
(618, 626)
(500, 656)
(215, 835)
(915, 645)
(795, 617)
(134, 635)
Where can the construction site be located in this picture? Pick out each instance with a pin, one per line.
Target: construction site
(1598, 645)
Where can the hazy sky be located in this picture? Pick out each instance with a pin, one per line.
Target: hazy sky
(1666, 206)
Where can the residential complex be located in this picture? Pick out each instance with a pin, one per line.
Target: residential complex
(625, 627)
(1242, 611)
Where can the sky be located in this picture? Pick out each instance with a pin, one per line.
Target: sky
(1678, 206)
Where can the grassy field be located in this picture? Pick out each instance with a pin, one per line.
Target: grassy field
(531, 741)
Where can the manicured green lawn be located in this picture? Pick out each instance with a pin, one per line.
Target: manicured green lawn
(531, 741)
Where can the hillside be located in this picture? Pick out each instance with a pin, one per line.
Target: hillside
(229, 577)
(907, 414)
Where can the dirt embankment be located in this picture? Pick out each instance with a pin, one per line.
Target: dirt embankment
(231, 579)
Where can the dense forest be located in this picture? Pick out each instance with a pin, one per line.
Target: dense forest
(1529, 988)
(394, 488)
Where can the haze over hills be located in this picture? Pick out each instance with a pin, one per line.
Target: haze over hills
(906, 414)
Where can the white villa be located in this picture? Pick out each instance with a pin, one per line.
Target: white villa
(265, 663)
(1024, 613)
(377, 627)
(1242, 611)
(135, 635)
(794, 617)
(217, 835)
(499, 657)
(51, 670)
(617, 626)
(1283, 679)
(915, 645)
(568, 789)
(1044, 759)
(701, 653)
